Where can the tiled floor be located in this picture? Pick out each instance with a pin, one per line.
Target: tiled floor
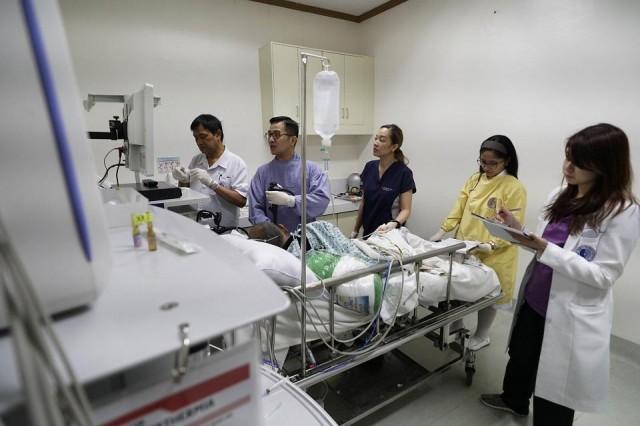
(446, 400)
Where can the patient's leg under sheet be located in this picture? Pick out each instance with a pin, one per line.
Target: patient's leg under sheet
(485, 320)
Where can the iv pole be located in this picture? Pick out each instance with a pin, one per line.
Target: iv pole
(304, 58)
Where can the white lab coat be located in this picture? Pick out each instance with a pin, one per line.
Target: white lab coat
(574, 362)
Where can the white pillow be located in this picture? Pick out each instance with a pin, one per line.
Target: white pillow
(280, 265)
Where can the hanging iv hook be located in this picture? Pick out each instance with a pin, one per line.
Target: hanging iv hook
(326, 64)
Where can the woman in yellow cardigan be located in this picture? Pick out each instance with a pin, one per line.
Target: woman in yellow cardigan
(495, 185)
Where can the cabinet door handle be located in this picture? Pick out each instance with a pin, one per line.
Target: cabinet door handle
(342, 113)
(347, 112)
(297, 111)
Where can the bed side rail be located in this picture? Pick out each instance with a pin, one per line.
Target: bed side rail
(332, 283)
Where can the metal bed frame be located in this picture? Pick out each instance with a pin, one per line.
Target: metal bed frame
(436, 326)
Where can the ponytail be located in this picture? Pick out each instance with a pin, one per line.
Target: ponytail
(396, 135)
(399, 156)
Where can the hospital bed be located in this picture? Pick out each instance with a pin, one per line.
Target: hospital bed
(449, 286)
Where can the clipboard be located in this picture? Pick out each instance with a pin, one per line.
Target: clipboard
(501, 231)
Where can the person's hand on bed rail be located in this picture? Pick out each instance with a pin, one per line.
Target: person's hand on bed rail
(354, 234)
(437, 236)
(483, 248)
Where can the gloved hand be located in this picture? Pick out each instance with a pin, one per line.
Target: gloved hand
(437, 236)
(483, 248)
(354, 234)
(204, 178)
(181, 174)
(386, 227)
(280, 198)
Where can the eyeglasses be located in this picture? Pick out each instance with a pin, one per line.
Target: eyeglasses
(275, 134)
(483, 163)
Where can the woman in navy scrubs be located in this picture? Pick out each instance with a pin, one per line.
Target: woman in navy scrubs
(387, 185)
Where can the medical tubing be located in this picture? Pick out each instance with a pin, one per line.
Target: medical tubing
(356, 274)
(368, 348)
(39, 324)
(23, 354)
(271, 336)
(81, 407)
(329, 332)
(332, 314)
(398, 257)
(38, 390)
(44, 358)
(358, 352)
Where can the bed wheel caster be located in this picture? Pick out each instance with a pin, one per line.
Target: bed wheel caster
(469, 366)
(469, 371)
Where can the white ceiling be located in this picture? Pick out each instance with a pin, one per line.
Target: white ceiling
(352, 7)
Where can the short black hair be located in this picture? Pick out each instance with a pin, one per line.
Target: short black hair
(290, 125)
(268, 232)
(209, 122)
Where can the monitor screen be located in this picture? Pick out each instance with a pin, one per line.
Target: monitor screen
(138, 120)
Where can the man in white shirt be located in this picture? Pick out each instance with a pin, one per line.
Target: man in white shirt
(216, 171)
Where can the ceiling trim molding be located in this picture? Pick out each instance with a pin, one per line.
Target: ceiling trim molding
(332, 13)
(378, 10)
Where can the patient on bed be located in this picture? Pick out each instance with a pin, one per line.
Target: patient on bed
(321, 235)
(360, 300)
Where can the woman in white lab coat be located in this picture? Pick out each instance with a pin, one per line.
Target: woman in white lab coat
(559, 343)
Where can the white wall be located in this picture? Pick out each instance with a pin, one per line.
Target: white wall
(452, 73)
(202, 57)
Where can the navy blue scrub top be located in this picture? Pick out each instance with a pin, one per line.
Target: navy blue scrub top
(380, 193)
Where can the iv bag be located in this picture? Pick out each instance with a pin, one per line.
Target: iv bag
(326, 103)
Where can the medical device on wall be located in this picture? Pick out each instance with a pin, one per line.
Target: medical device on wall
(354, 184)
(136, 130)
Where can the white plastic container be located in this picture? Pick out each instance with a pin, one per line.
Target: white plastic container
(326, 105)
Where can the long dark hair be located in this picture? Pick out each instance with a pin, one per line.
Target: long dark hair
(503, 149)
(604, 150)
(396, 135)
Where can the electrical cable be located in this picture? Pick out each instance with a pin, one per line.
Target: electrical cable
(33, 325)
(39, 324)
(118, 168)
(102, 179)
(381, 338)
(299, 296)
(104, 160)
